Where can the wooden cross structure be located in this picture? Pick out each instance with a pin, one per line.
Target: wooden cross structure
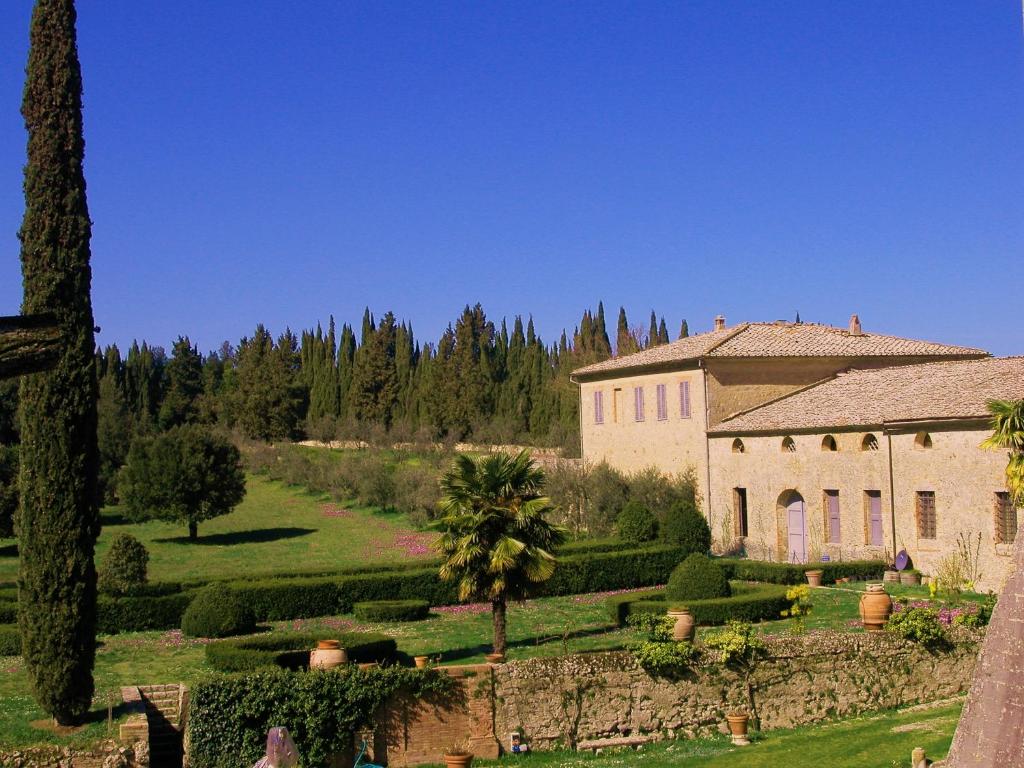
(28, 344)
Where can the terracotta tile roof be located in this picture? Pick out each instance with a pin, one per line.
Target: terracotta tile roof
(947, 390)
(780, 340)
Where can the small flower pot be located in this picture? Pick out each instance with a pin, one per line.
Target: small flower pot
(910, 578)
(458, 761)
(814, 577)
(738, 728)
(421, 661)
(494, 658)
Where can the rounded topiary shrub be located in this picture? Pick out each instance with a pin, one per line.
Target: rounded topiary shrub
(637, 523)
(698, 577)
(392, 610)
(684, 526)
(217, 611)
(123, 570)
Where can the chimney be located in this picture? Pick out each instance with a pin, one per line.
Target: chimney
(855, 329)
(720, 322)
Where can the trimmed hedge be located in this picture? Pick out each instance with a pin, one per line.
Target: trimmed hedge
(290, 650)
(698, 577)
(793, 573)
(8, 612)
(392, 610)
(217, 611)
(763, 602)
(137, 614)
(10, 640)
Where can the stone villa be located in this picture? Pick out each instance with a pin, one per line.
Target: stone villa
(809, 440)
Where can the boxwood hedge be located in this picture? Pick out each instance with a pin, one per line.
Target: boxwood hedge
(10, 640)
(392, 610)
(748, 602)
(8, 612)
(290, 650)
(793, 573)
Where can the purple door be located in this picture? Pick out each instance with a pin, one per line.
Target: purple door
(875, 517)
(796, 519)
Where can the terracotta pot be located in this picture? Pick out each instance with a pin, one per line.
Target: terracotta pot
(738, 728)
(327, 655)
(458, 761)
(814, 577)
(910, 578)
(891, 576)
(495, 658)
(685, 627)
(875, 607)
(421, 661)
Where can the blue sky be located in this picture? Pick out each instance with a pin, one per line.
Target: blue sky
(282, 161)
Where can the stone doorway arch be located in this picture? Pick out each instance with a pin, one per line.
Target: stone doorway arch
(791, 513)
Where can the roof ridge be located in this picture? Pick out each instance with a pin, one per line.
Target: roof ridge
(736, 331)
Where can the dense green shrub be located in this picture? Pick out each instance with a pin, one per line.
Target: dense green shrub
(684, 526)
(217, 611)
(229, 715)
(636, 523)
(123, 571)
(290, 650)
(10, 640)
(391, 610)
(660, 492)
(919, 625)
(8, 612)
(656, 650)
(698, 577)
(8, 489)
(793, 573)
(761, 602)
(140, 613)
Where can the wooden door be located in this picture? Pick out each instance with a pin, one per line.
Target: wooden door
(797, 522)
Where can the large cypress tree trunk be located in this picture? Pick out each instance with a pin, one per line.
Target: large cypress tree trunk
(498, 616)
(59, 519)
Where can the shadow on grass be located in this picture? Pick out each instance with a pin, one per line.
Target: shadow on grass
(9, 550)
(467, 652)
(114, 518)
(258, 536)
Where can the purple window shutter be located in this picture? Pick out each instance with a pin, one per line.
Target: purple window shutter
(684, 399)
(833, 517)
(638, 402)
(599, 408)
(662, 403)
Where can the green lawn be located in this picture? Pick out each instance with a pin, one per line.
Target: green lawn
(276, 528)
(879, 740)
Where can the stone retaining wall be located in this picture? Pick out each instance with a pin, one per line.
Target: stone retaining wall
(106, 754)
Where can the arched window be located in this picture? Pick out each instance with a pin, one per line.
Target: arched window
(738, 447)
(828, 443)
(869, 443)
(923, 440)
(788, 446)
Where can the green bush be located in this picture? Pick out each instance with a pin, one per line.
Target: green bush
(8, 612)
(10, 640)
(636, 523)
(290, 650)
(123, 571)
(919, 625)
(684, 526)
(698, 577)
(141, 613)
(392, 610)
(217, 611)
(793, 573)
(761, 602)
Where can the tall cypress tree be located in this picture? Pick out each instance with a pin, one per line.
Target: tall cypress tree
(59, 519)
(684, 330)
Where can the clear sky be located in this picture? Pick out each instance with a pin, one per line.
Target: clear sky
(283, 160)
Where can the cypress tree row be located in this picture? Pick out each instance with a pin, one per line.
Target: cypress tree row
(58, 520)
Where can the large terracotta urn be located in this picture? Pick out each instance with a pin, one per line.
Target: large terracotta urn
(875, 607)
(327, 655)
(685, 627)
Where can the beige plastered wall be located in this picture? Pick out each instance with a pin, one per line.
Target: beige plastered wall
(963, 476)
(672, 445)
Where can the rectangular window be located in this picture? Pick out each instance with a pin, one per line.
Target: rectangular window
(926, 523)
(599, 407)
(1006, 519)
(684, 399)
(638, 403)
(832, 516)
(662, 402)
(739, 505)
(873, 506)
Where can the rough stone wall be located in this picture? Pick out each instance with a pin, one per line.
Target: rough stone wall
(107, 754)
(672, 445)
(810, 678)
(963, 476)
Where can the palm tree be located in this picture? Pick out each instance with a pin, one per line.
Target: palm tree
(1008, 432)
(496, 541)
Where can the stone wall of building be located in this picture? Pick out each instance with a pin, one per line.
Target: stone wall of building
(963, 476)
(810, 678)
(672, 445)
